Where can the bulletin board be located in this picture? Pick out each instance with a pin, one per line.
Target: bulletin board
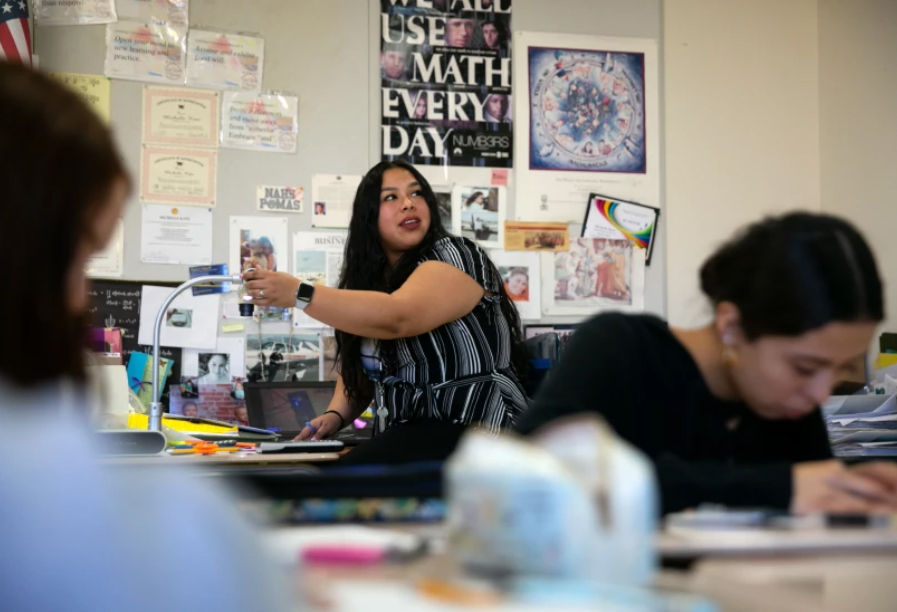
(325, 52)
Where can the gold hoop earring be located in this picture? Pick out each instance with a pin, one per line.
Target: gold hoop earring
(729, 356)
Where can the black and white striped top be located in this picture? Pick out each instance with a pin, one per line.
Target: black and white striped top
(459, 372)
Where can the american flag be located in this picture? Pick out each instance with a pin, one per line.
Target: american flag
(15, 37)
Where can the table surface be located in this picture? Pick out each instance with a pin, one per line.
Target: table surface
(803, 580)
(235, 460)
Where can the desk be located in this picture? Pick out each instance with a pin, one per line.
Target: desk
(684, 543)
(799, 582)
(221, 460)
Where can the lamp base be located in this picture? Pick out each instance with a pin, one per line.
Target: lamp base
(130, 442)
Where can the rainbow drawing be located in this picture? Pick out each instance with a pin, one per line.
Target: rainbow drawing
(607, 208)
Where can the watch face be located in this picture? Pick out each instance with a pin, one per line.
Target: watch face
(306, 290)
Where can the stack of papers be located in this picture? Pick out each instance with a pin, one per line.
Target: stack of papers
(862, 425)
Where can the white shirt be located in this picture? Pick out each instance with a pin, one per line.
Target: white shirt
(79, 536)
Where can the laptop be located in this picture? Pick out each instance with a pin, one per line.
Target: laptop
(284, 407)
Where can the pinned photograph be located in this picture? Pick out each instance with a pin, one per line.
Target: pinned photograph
(219, 366)
(521, 276)
(260, 243)
(443, 195)
(189, 387)
(478, 213)
(283, 357)
(214, 369)
(595, 274)
(179, 317)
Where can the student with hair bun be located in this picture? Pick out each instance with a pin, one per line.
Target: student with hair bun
(729, 413)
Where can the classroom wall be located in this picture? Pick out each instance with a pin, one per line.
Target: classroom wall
(858, 127)
(316, 49)
(741, 107)
(326, 52)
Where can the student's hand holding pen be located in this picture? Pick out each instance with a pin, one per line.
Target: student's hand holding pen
(831, 486)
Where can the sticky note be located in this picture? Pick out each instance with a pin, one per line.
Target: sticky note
(500, 176)
(232, 327)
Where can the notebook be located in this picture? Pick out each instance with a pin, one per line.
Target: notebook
(284, 407)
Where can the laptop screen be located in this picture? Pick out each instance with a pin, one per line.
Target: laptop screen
(285, 407)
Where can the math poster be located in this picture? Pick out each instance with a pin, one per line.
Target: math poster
(445, 73)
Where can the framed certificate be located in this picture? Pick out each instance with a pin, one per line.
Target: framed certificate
(178, 176)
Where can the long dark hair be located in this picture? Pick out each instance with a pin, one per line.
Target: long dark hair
(58, 165)
(795, 273)
(365, 267)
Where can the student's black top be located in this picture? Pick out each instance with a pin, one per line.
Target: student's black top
(634, 371)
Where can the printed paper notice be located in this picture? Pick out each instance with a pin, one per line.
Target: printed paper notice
(272, 198)
(173, 235)
(317, 259)
(151, 52)
(536, 236)
(260, 122)
(185, 117)
(72, 12)
(218, 60)
(178, 176)
(190, 321)
(93, 88)
(332, 197)
(171, 11)
(109, 263)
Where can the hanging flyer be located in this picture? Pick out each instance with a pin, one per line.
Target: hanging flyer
(190, 321)
(152, 52)
(272, 198)
(178, 176)
(174, 12)
(93, 88)
(171, 235)
(536, 236)
(109, 263)
(219, 60)
(260, 122)
(332, 198)
(317, 259)
(73, 12)
(185, 117)
(589, 114)
(445, 75)
(620, 220)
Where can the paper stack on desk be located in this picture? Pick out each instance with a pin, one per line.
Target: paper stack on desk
(862, 425)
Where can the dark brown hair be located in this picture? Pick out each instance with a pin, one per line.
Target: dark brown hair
(791, 274)
(58, 164)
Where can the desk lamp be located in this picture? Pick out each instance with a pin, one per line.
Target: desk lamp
(155, 416)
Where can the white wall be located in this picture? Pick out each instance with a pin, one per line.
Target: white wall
(742, 126)
(858, 124)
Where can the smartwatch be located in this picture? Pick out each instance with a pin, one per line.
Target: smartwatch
(304, 295)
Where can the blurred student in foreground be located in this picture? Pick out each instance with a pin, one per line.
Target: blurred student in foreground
(729, 413)
(76, 535)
